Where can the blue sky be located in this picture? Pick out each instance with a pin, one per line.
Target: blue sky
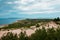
(29, 8)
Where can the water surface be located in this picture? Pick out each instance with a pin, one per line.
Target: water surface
(4, 21)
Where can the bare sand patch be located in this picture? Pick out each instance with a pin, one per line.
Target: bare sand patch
(31, 30)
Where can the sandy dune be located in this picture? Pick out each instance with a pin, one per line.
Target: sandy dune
(30, 30)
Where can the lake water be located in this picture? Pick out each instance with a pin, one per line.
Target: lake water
(7, 21)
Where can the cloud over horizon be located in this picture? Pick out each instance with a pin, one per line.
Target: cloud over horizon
(29, 7)
(36, 6)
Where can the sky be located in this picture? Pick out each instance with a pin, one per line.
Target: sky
(29, 8)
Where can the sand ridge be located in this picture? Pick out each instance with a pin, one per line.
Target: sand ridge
(29, 31)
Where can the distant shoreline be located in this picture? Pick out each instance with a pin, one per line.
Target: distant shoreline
(3, 25)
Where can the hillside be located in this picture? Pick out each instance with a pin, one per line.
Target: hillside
(31, 28)
(26, 23)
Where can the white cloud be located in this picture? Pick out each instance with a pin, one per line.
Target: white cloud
(26, 1)
(36, 6)
(21, 2)
(39, 12)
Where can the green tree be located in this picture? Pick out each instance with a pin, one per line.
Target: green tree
(23, 36)
(51, 34)
(10, 36)
(39, 34)
(37, 25)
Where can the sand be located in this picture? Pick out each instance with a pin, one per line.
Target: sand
(29, 31)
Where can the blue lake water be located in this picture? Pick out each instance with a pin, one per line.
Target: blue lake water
(7, 21)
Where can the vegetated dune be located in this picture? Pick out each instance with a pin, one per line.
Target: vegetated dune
(30, 30)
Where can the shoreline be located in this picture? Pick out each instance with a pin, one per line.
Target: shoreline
(3, 25)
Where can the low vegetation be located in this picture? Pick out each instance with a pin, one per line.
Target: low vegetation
(30, 22)
(40, 34)
(37, 25)
(26, 23)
